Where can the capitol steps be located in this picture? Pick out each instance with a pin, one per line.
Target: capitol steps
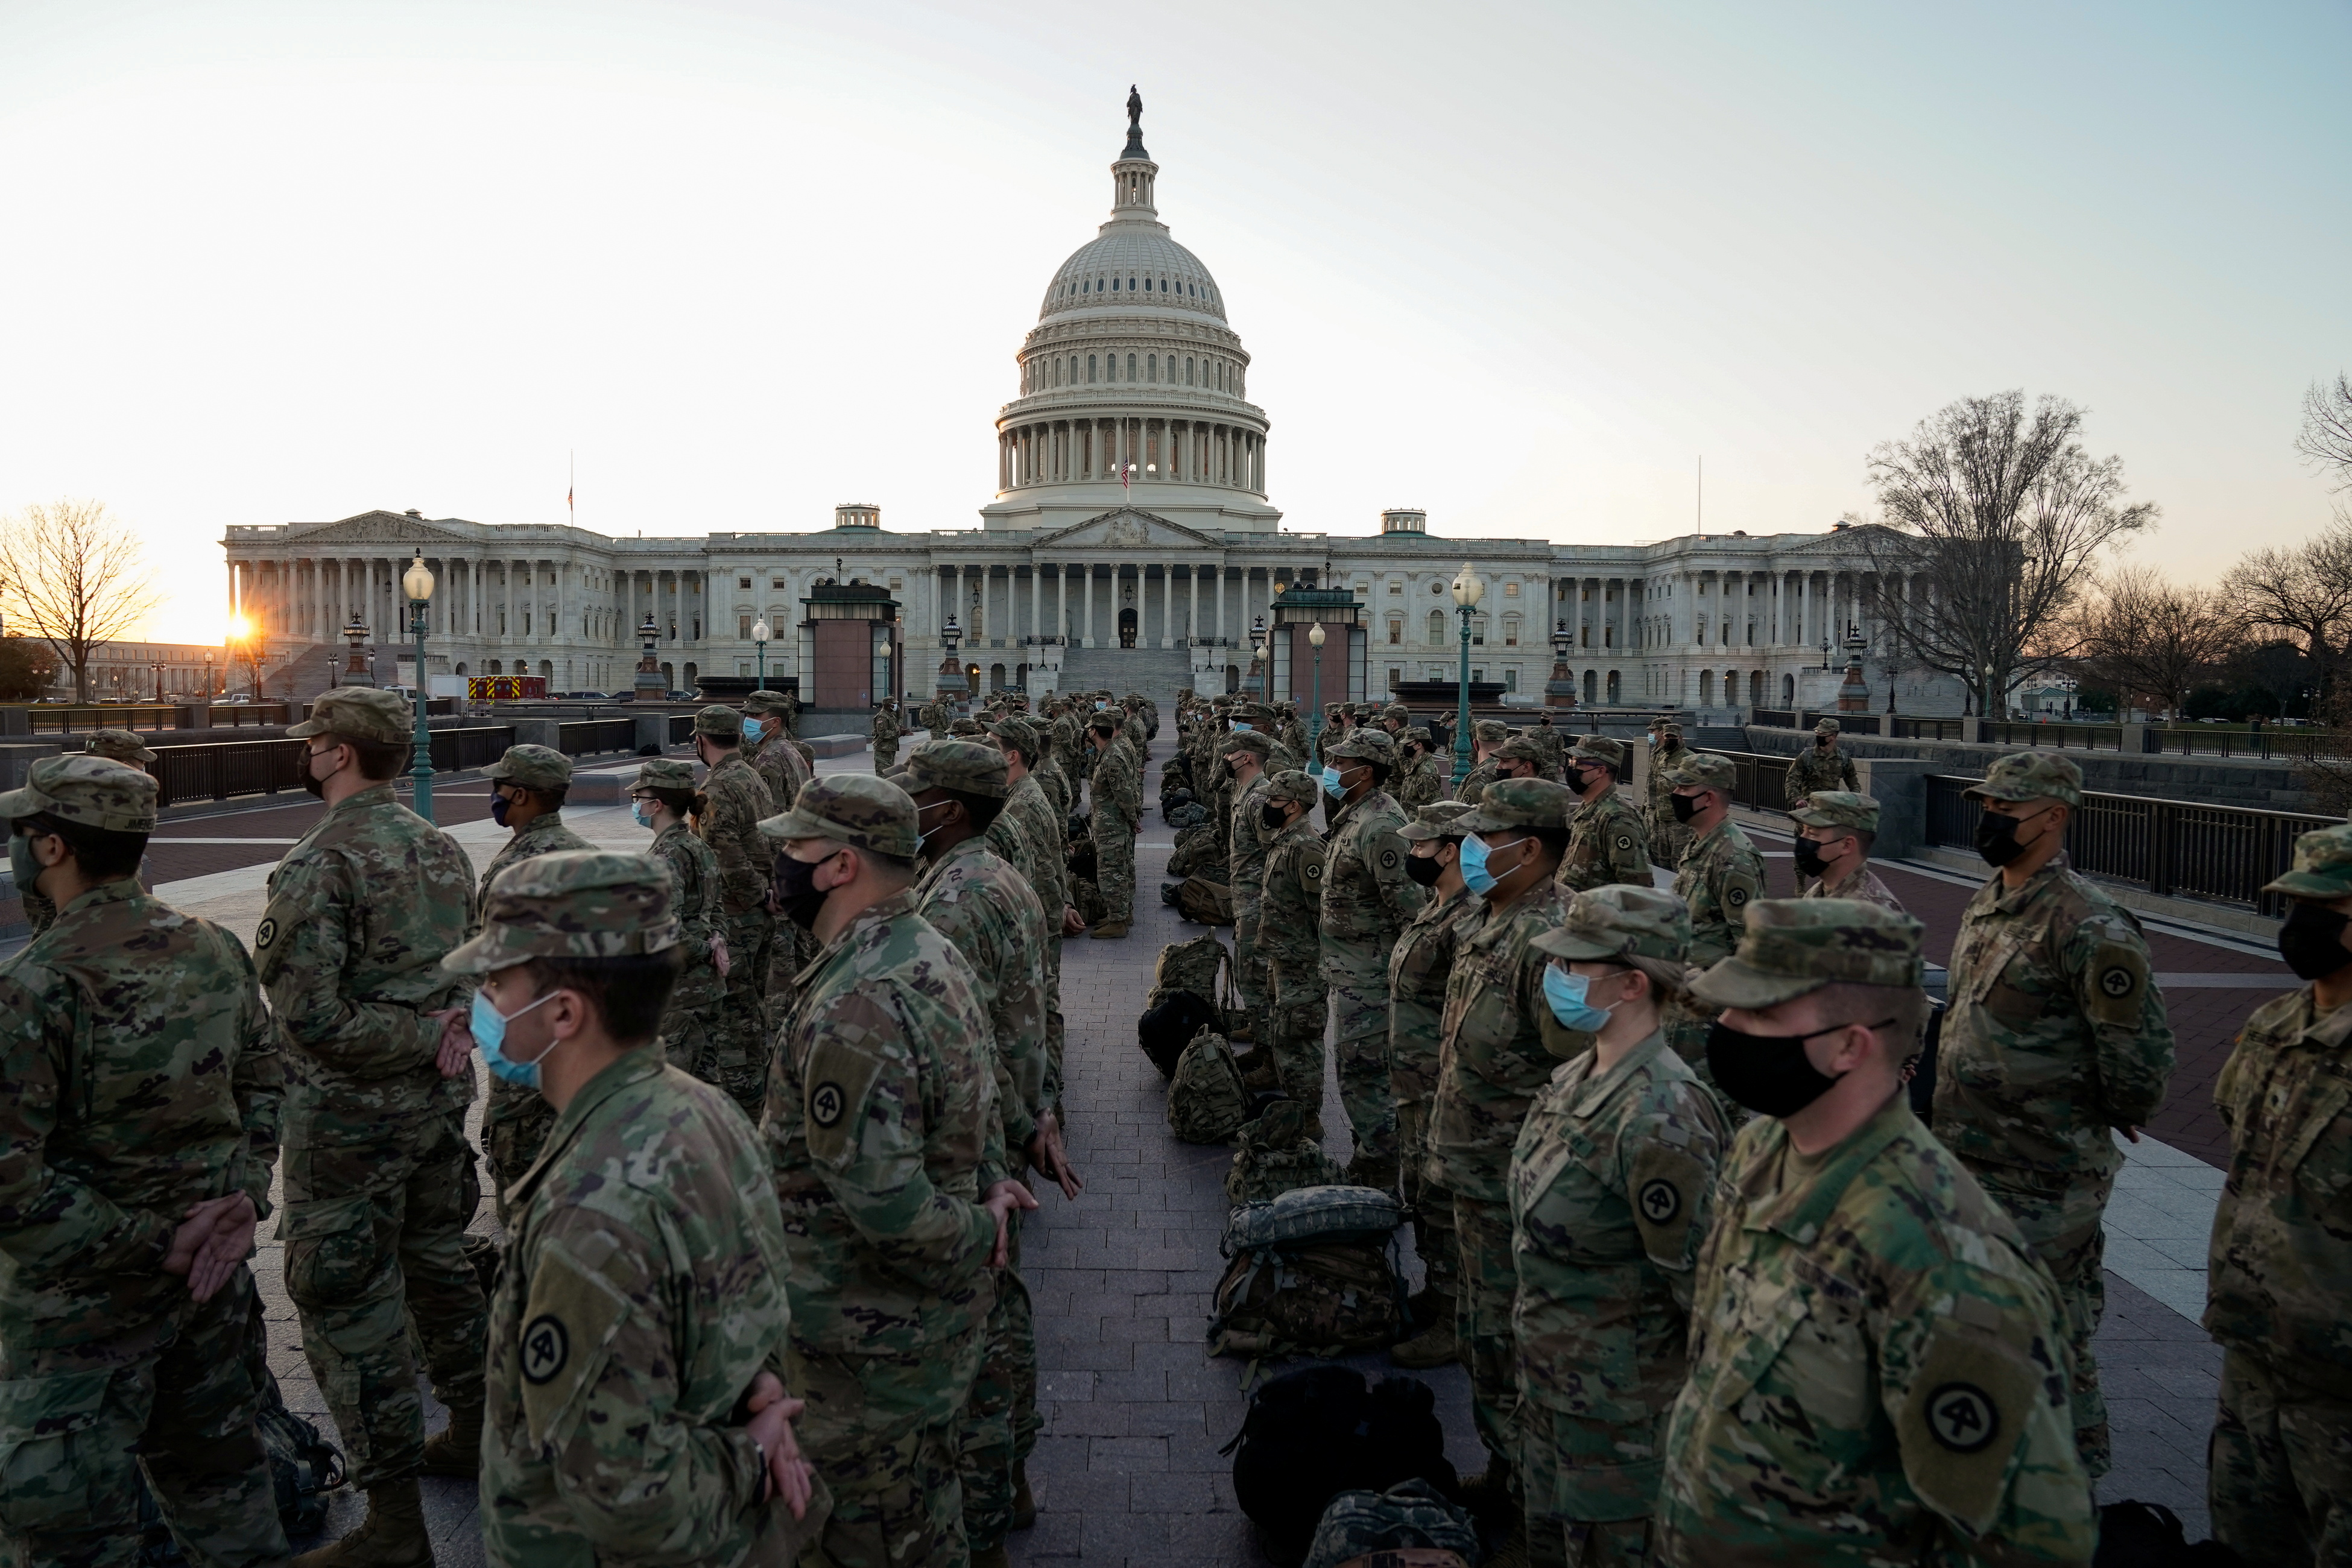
(1158, 673)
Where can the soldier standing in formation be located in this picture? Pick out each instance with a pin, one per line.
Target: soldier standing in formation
(1297, 1004)
(1835, 830)
(380, 1179)
(138, 1117)
(1877, 1361)
(1418, 967)
(662, 797)
(885, 736)
(635, 1410)
(1244, 753)
(115, 745)
(1028, 834)
(1487, 738)
(1606, 840)
(1613, 1184)
(1367, 901)
(1721, 875)
(2057, 1039)
(1669, 838)
(881, 1121)
(774, 755)
(1492, 1062)
(1822, 765)
(527, 786)
(734, 801)
(1115, 812)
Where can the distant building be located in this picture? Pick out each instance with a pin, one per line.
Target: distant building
(137, 671)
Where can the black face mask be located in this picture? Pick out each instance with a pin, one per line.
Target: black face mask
(1580, 779)
(1424, 871)
(1272, 817)
(498, 804)
(796, 891)
(1768, 1074)
(1685, 806)
(1810, 864)
(1997, 838)
(2312, 941)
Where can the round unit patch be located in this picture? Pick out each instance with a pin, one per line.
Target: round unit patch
(1387, 860)
(1962, 1417)
(1624, 841)
(1735, 897)
(2116, 981)
(265, 934)
(545, 1348)
(826, 1104)
(1660, 1201)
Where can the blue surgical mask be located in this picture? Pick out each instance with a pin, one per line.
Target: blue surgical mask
(1565, 993)
(489, 1029)
(1475, 874)
(642, 810)
(1331, 782)
(750, 729)
(1240, 728)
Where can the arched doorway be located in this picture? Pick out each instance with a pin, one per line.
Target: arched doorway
(972, 680)
(1615, 687)
(1755, 689)
(1591, 686)
(997, 678)
(1788, 689)
(1233, 678)
(1706, 688)
(1127, 628)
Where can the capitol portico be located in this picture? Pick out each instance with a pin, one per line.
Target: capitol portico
(1130, 542)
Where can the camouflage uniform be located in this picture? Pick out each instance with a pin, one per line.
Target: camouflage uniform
(1366, 901)
(1611, 1186)
(1820, 767)
(1669, 839)
(775, 759)
(1417, 966)
(1289, 941)
(116, 745)
(1842, 808)
(642, 1286)
(886, 739)
(1878, 1365)
(735, 800)
(1721, 876)
(1492, 734)
(883, 1127)
(1032, 844)
(515, 1122)
(1606, 841)
(1493, 1059)
(972, 896)
(698, 996)
(139, 1075)
(1424, 780)
(1245, 837)
(380, 1180)
(2056, 1034)
(1115, 798)
(2280, 1265)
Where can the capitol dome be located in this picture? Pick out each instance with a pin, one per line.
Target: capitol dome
(1133, 385)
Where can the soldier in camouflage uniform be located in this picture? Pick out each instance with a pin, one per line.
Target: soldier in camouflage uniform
(631, 1315)
(139, 1109)
(1487, 738)
(1424, 776)
(886, 737)
(1606, 841)
(1611, 1186)
(1296, 1002)
(1669, 838)
(1028, 833)
(662, 797)
(1833, 849)
(774, 756)
(2281, 1263)
(1721, 875)
(1245, 752)
(1417, 966)
(1292, 733)
(735, 800)
(380, 1180)
(1820, 765)
(975, 900)
(2056, 1034)
(1115, 810)
(1495, 1054)
(890, 1165)
(1368, 899)
(1878, 1363)
(527, 786)
(116, 745)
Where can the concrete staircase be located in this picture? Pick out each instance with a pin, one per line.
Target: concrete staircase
(1157, 672)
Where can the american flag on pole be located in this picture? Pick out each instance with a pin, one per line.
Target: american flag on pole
(1126, 471)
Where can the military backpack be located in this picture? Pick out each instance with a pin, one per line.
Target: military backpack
(1317, 1432)
(1207, 1101)
(1278, 1157)
(1411, 1523)
(1210, 903)
(1313, 1272)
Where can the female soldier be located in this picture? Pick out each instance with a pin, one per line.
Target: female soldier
(662, 798)
(1610, 1188)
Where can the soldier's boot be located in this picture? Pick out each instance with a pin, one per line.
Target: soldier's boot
(392, 1536)
(1024, 1503)
(1262, 1077)
(1424, 1306)
(1109, 931)
(457, 1449)
(1434, 1345)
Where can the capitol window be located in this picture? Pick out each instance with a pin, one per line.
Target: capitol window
(1152, 367)
(1130, 368)
(1396, 630)
(1090, 367)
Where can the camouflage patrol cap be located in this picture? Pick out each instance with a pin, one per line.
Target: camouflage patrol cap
(1792, 946)
(1435, 820)
(1397, 711)
(1704, 770)
(1667, 730)
(966, 767)
(87, 791)
(1257, 743)
(759, 702)
(1490, 732)
(718, 719)
(1600, 749)
(665, 773)
(1838, 808)
(531, 767)
(571, 903)
(1622, 922)
(2032, 776)
(1519, 749)
(1292, 784)
(2323, 866)
(1367, 742)
(1016, 733)
(1255, 713)
(358, 713)
(120, 745)
(1826, 727)
(1415, 732)
(856, 809)
(1518, 803)
(967, 727)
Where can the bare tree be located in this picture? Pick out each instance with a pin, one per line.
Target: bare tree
(2303, 590)
(1991, 519)
(2326, 434)
(75, 577)
(2150, 639)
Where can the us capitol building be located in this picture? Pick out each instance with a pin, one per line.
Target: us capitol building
(1130, 542)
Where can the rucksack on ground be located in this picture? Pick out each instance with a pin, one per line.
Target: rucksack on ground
(1277, 1157)
(1200, 964)
(1313, 1272)
(1316, 1431)
(1165, 1029)
(1207, 1101)
(1411, 1516)
(2134, 1534)
(303, 1469)
(1209, 903)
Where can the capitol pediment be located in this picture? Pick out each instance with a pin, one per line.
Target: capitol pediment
(376, 528)
(1128, 528)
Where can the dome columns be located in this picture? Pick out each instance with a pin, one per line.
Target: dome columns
(1146, 448)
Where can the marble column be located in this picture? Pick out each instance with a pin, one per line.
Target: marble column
(1090, 604)
(1167, 604)
(1192, 615)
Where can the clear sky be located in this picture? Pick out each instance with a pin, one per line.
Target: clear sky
(1520, 265)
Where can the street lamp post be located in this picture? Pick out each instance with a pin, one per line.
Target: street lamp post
(1257, 658)
(1562, 683)
(208, 678)
(1315, 636)
(951, 676)
(760, 645)
(1467, 591)
(418, 584)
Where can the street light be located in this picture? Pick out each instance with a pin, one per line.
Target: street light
(355, 671)
(1563, 643)
(418, 584)
(1467, 591)
(760, 642)
(209, 676)
(1257, 657)
(952, 676)
(1315, 636)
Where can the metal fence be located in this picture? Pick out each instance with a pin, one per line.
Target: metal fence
(1933, 729)
(53, 719)
(2174, 848)
(471, 746)
(1761, 781)
(2282, 743)
(218, 770)
(1805, 719)
(2057, 737)
(682, 727)
(592, 735)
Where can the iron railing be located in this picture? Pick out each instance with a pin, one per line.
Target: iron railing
(1805, 719)
(2175, 847)
(1933, 729)
(589, 736)
(2056, 737)
(218, 770)
(1773, 718)
(2285, 743)
(469, 746)
(1761, 781)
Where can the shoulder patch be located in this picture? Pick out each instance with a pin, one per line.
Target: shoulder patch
(1668, 1185)
(1969, 1402)
(2116, 983)
(1387, 860)
(570, 1314)
(851, 1051)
